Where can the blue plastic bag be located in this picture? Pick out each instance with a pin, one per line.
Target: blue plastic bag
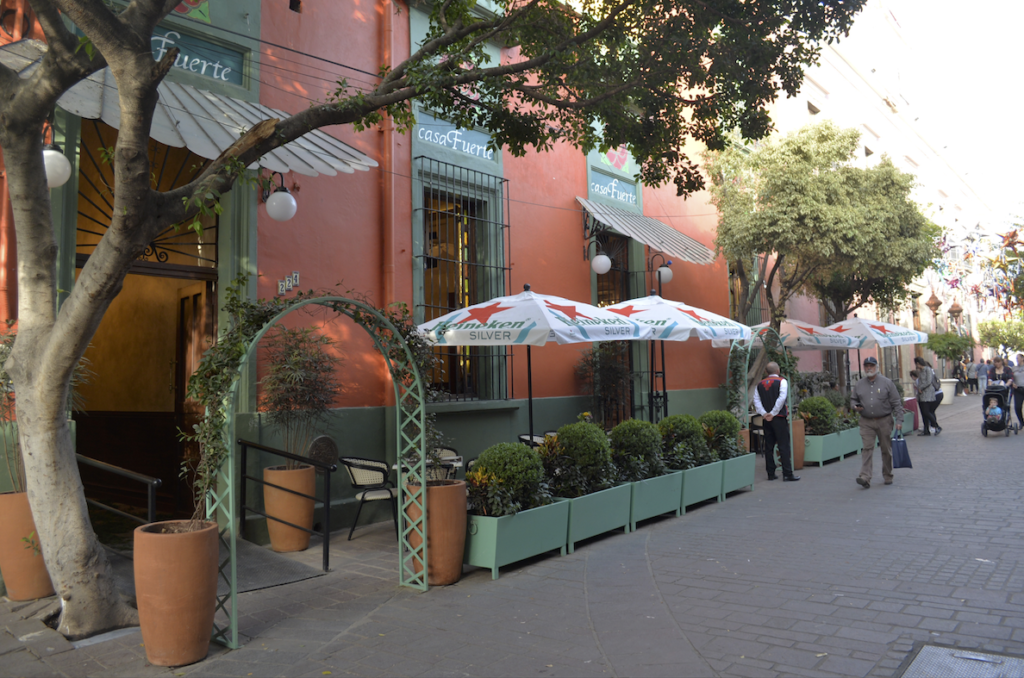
(900, 454)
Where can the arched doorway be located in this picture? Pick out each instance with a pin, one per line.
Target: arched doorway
(151, 338)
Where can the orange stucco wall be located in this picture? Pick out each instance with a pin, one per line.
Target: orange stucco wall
(335, 240)
(337, 233)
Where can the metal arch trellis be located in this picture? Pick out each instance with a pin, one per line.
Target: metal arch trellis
(410, 423)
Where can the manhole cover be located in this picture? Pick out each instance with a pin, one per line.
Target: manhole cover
(950, 662)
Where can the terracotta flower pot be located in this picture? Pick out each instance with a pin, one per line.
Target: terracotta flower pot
(22, 565)
(798, 444)
(446, 531)
(289, 507)
(176, 589)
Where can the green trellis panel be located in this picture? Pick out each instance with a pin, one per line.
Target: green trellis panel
(410, 424)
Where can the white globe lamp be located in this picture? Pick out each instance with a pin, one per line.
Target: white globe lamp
(664, 275)
(281, 205)
(57, 165)
(601, 264)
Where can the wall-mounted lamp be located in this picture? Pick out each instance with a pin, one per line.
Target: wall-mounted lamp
(281, 205)
(601, 263)
(57, 165)
(662, 274)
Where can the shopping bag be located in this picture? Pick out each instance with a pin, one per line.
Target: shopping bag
(900, 455)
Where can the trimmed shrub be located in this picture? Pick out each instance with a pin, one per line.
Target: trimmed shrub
(577, 460)
(721, 431)
(819, 415)
(636, 450)
(691, 454)
(678, 428)
(838, 400)
(507, 478)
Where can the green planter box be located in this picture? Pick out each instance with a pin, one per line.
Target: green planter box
(493, 542)
(597, 513)
(850, 440)
(737, 473)
(655, 496)
(701, 483)
(823, 448)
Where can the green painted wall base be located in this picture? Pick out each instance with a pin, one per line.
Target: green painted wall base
(493, 542)
(655, 496)
(738, 473)
(700, 484)
(597, 513)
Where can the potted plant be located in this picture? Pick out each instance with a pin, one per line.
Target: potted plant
(720, 431)
(821, 439)
(21, 559)
(446, 515)
(296, 393)
(578, 465)
(636, 453)
(690, 453)
(511, 513)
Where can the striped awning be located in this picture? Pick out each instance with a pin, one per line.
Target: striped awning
(656, 234)
(205, 122)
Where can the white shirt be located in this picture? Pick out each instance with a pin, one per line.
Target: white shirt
(779, 404)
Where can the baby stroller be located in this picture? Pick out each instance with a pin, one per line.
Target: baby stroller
(1001, 394)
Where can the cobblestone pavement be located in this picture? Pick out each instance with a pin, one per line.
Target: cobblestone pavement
(815, 578)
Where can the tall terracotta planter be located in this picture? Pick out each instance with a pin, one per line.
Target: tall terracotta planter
(289, 507)
(798, 443)
(176, 589)
(446, 530)
(22, 566)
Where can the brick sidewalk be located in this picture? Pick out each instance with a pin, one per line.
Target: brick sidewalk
(816, 578)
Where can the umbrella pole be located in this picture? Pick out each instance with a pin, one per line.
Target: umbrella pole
(529, 388)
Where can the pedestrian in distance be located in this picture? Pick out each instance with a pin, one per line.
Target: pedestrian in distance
(982, 375)
(972, 378)
(927, 392)
(960, 374)
(1018, 389)
(878, 401)
(770, 403)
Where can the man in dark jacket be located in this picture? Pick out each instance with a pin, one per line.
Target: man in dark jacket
(878, 401)
(770, 403)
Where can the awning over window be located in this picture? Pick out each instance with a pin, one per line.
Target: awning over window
(205, 122)
(651, 232)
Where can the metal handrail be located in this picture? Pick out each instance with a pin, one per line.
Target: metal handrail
(328, 469)
(150, 482)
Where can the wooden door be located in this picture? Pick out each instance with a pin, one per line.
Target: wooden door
(196, 332)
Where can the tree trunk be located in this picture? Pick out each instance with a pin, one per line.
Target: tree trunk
(41, 366)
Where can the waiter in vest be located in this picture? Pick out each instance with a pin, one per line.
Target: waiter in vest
(770, 403)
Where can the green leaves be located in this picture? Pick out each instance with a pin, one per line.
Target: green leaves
(950, 345)
(1007, 335)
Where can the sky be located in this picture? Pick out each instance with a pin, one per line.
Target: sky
(963, 81)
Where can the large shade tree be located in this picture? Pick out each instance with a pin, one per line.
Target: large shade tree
(797, 215)
(651, 74)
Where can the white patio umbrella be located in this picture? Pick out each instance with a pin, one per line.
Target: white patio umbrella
(800, 336)
(871, 333)
(676, 321)
(531, 319)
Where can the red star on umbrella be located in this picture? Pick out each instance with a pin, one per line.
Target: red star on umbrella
(626, 310)
(809, 330)
(694, 315)
(569, 311)
(840, 329)
(881, 328)
(484, 313)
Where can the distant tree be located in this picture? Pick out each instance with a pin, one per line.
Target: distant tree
(1006, 336)
(797, 216)
(949, 345)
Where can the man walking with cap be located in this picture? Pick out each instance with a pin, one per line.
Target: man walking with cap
(770, 403)
(878, 401)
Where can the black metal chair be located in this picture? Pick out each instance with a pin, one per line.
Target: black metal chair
(757, 434)
(446, 470)
(371, 477)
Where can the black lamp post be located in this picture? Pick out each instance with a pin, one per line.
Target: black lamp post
(657, 400)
